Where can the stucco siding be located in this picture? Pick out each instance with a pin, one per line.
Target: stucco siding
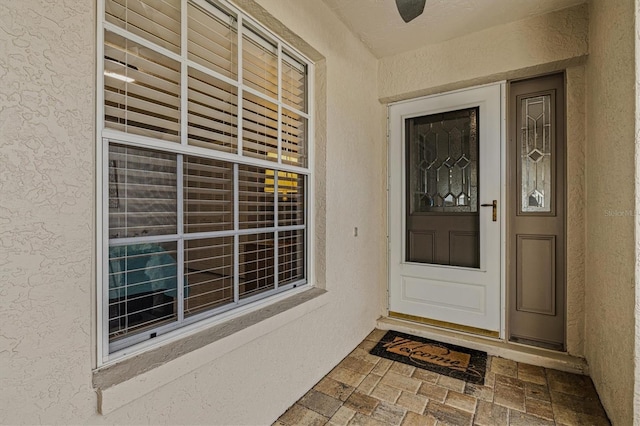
(46, 210)
(47, 343)
(610, 245)
(576, 215)
(636, 399)
(519, 49)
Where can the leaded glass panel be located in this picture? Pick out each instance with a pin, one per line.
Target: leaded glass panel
(443, 162)
(535, 154)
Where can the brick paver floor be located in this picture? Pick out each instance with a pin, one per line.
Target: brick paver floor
(368, 390)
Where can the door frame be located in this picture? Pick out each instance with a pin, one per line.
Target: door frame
(501, 206)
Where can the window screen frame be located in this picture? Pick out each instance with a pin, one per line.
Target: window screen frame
(107, 352)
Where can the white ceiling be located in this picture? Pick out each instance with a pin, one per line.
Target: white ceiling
(378, 24)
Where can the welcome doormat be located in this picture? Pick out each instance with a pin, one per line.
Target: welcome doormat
(442, 358)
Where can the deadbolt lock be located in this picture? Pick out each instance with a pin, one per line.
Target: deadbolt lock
(495, 209)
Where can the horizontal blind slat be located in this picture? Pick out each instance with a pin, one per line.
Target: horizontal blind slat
(139, 90)
(141, 118)
(196, 134)
(141, 104)
(156, 21)
(160, 72)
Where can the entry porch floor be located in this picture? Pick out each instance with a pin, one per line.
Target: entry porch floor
(368, 390)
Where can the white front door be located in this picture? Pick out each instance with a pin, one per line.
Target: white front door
(445, 178)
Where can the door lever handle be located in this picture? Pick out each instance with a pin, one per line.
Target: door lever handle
(495, 209)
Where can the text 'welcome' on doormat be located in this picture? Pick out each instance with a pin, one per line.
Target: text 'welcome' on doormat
(442, 358)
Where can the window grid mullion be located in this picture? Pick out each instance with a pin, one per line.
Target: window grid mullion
(274, 101)
(211, 73)
(180, 243)
(184, 76)
(184, 136)
(240, 85)
(279, 72)
(133, 140)
(276, 242)
(247, 231)
(236, 237)
(275, 234)
(199, 235)
(142, 41)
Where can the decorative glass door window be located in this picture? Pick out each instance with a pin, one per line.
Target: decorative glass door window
(442, 188)
(444, 162)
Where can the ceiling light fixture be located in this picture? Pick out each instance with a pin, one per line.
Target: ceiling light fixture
(410, 9)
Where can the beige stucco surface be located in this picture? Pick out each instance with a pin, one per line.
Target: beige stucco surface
(46, 211)
(610, 246)
(47, 150)
(519, 49)
(575, 197)
(516, 50)
(636, 399)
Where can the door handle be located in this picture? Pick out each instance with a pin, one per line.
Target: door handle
(495, 209)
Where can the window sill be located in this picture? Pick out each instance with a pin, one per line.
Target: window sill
(143, 373)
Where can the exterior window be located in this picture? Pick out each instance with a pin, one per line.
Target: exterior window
(205, 169)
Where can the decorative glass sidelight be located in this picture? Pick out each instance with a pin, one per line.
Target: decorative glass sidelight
(443, 162)
(535, 154)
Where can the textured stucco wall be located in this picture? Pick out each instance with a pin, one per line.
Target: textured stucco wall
(521, 49)
(636, 399)
(46, 220)
(576, 193)
(610, 246)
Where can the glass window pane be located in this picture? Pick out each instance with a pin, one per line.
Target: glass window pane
(291, 198)
(212, 40)
(213, 113)
(290, 256)
(208, 195)
(141, 90)
(208, 272)
(256, 264)
(294, 139)
(256, 199)
(142, 192)
(142, 287)
(535, 154)
(259, 63)
(157, 21)
(294, 83)
(259, 128)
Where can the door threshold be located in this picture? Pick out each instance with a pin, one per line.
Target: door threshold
(491, 345)
(445, 324)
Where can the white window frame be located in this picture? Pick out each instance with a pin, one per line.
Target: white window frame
(182, 328)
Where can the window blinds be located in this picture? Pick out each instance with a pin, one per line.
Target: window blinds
(207, 165)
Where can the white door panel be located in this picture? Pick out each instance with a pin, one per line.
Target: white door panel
(469, 296)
